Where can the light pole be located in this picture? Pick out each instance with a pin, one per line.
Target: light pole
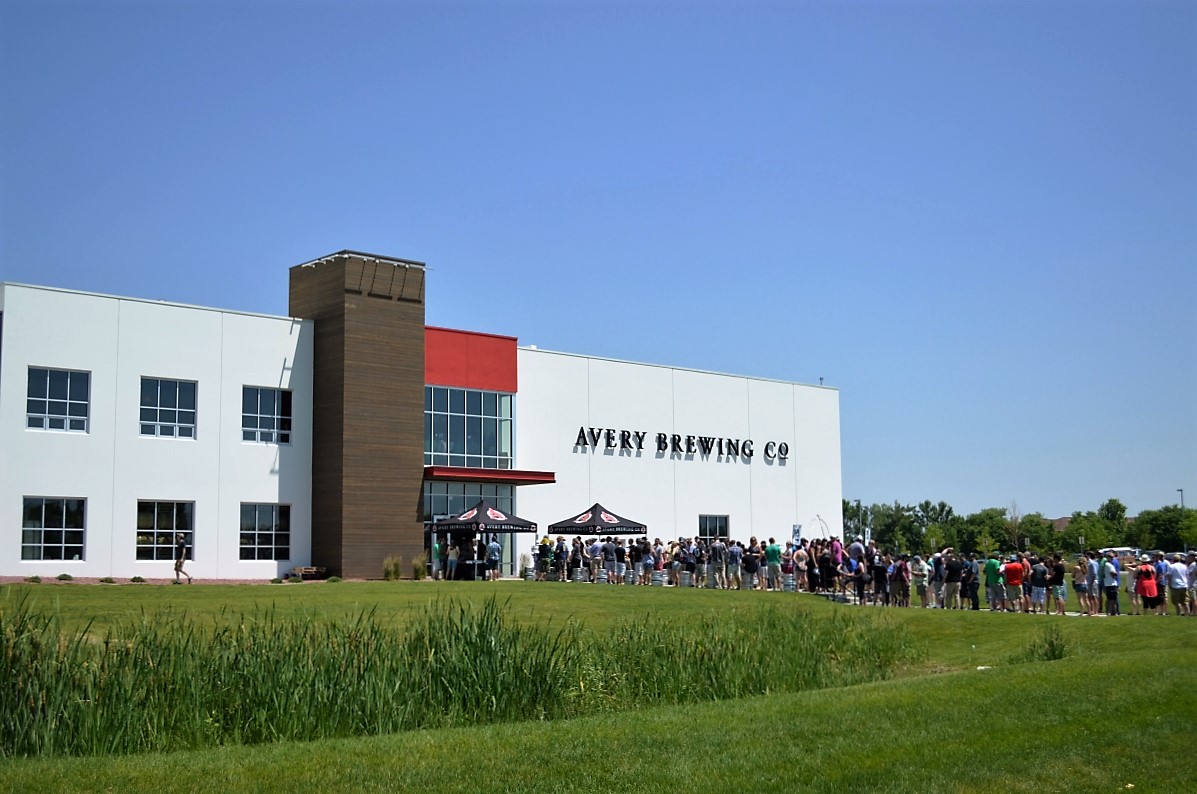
(1182, 499)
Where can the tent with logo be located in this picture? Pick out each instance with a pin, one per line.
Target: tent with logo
(482, 517)
(598, 520)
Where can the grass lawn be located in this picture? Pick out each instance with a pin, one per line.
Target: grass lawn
(1120, 709)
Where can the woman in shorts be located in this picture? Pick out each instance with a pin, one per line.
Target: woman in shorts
(1080, 583)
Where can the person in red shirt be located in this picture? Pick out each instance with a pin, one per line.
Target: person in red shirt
(1013, 573)
(1146, 586)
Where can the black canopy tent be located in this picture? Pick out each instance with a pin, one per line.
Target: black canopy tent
(479, 521)
(482, 517)
(598, 520)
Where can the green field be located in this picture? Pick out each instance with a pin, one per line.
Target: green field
(1120, 709)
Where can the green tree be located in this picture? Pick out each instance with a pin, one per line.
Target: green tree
(1113, 512)
(1164, 529)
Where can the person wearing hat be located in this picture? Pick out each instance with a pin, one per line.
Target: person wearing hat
(1012, 573)
(1109, 575)
(1144, 592)
(995, 594)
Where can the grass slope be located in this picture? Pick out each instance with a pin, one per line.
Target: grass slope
(1081, 724)
(1122, 709)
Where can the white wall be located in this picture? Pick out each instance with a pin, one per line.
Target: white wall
(560, 393)
(119, 341)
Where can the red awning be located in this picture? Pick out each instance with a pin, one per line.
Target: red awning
(502, 476)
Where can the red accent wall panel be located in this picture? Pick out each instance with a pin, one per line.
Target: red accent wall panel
(469, 360)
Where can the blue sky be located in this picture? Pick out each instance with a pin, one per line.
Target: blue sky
(977, 220)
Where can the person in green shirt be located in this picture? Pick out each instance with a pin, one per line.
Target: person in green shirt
(994, 592)
(773, 561)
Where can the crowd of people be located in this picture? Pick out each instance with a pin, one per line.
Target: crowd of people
(862, 573)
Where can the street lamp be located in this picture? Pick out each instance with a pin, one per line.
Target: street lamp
(1182, 499)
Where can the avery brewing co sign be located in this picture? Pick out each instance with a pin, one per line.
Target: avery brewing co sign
(677, 444)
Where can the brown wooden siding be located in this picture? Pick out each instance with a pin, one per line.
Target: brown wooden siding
(368, 409)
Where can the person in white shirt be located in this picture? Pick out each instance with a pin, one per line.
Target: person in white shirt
(1178, 585)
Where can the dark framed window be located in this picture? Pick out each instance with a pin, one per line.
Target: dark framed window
(266, 415)
(265, 531)
(58, 399)
(711, 527)
(443, 498)
(157, 523)
(467, 427)
(168, 408)
(53, 528)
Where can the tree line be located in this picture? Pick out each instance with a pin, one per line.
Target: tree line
(928, 527)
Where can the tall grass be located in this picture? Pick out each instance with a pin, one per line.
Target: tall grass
(165, 682)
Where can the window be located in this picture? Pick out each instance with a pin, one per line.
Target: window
(157, 523)
(465, 427)
(167, 408)
(266, 415)
(53, 528)
(265, 532)
(453, 498)
(57, 400)
(710, 527)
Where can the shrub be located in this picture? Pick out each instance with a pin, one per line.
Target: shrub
(392, 568)
(108, 580)
(33, 579)
(332, 579)
(137, 579)
(293, 579)
(1049, 646)
(276, 580)
(64, 577)
(419, 566)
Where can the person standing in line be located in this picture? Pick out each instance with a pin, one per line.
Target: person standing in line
(1056, 583)
(718, 563)
(451, 562)
(1178, 585)
(1012, 573)
(435, 560)
(970, 584)
(901, 593)
(1094, 582)
(1191, 570)
(494, 553)
(181, 557)
(773, 566)
(953, 576)
(995, 594)
(1110, 582)
(1080, 584)
(1146, 586)
(1039, 579)
(918, 574)
(1160, 566)
(735, 558)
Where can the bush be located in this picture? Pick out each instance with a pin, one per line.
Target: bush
(33, 579)
(64, 577)
(108, 580)
(392, 568)
(137, 579)
(1049, 646)
(332, 579)
(293, 579)
(419, 566)
(276, 580)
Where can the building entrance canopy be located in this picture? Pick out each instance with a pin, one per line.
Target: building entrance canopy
(482, 517)
(598, 520)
